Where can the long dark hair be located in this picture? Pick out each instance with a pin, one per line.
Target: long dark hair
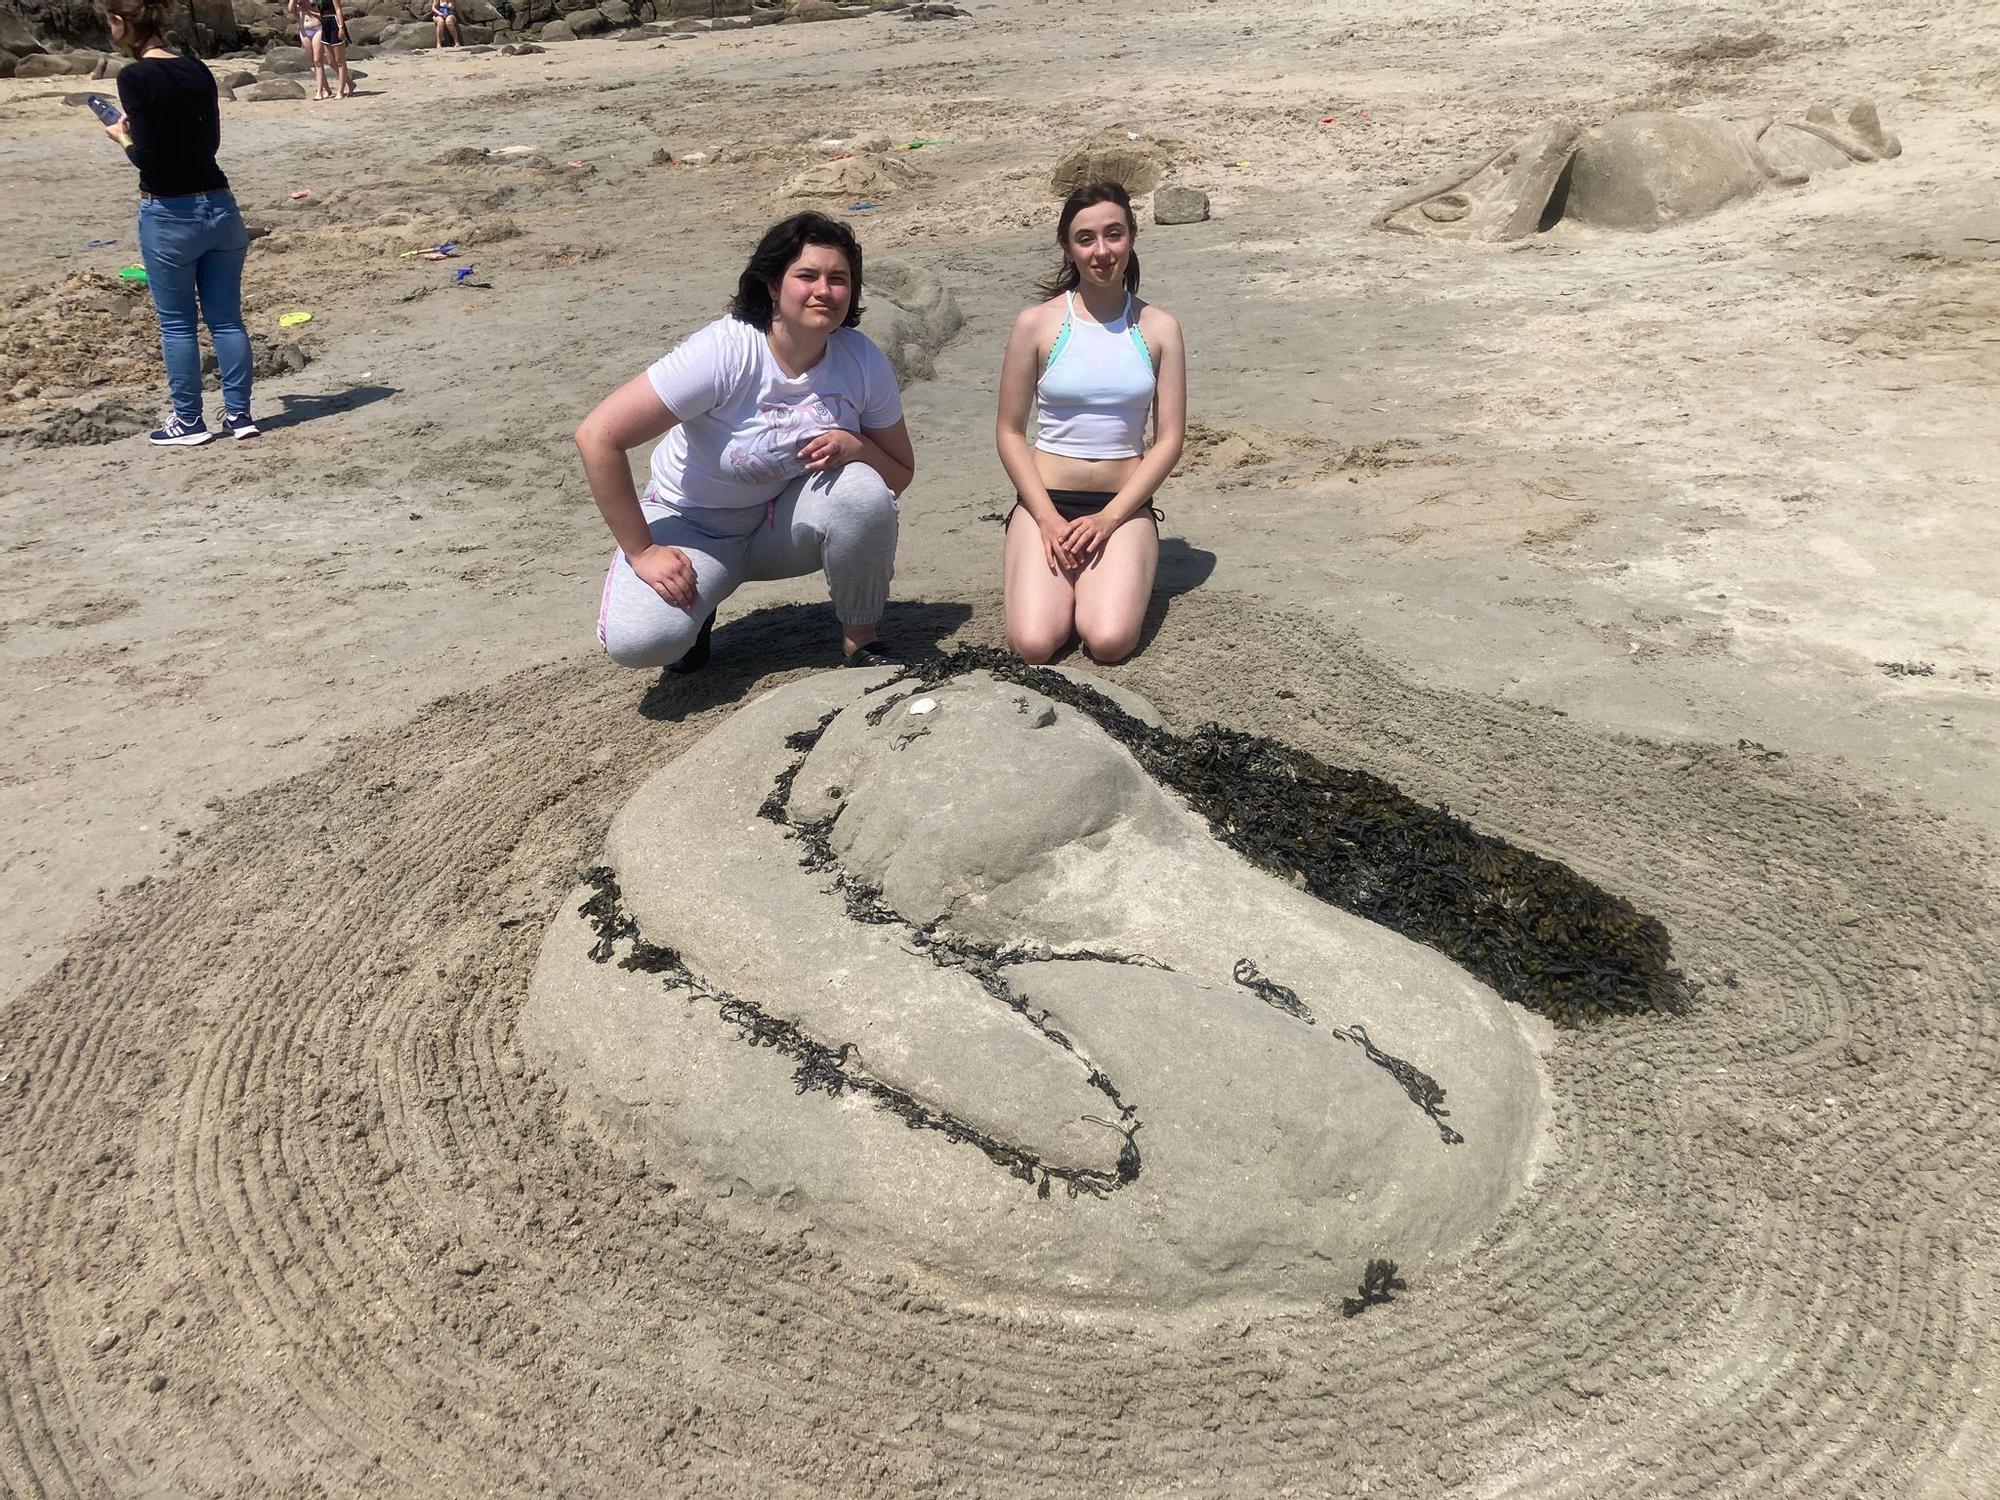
(1067, 278)
(774, 255)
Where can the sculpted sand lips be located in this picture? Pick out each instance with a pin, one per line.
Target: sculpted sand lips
(1051, 962)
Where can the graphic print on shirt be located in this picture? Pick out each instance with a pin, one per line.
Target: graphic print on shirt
(767, 450)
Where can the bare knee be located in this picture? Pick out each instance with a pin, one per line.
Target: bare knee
(1036, 645)
(1109, 646)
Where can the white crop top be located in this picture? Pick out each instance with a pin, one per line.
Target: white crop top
(1097, 388)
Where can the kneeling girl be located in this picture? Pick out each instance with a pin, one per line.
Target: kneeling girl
(1091, 363)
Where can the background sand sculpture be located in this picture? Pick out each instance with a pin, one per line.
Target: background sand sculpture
(1639, 171)
(1607, 551)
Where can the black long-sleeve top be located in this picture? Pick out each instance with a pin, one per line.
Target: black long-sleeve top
(175, 123)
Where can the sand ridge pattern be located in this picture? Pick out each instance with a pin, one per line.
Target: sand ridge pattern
(283, 1212)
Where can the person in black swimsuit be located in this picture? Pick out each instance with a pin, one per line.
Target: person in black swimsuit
(332, 49)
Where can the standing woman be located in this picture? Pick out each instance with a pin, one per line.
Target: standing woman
(191, 237)
(332, 50)
(306, 12)
(1091, 362)
(785, 450)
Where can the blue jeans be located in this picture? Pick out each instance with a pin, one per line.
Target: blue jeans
(193, 248)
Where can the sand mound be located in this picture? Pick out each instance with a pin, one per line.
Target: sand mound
(287, 1209)
(921, 317)
(1044, 994)
(865, 177)
(1136, 161)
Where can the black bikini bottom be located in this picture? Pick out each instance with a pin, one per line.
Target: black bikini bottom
(1070, 504)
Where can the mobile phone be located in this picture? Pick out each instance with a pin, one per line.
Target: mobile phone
(104, 109)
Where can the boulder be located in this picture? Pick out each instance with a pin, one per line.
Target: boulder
(272, 89)
(109, 66)
(286, 61)
(1175, 204)
(368, 30)
(8, 62)
(587, 22)
(236, 78)
(52, 65)
(556, 31)
(409, 37)
(17, 36)
(617, 12)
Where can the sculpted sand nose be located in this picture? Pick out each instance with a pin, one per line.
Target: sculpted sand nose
(1018, 1020)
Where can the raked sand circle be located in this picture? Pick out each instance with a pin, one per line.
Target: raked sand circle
(287, 1209)
(957, 990)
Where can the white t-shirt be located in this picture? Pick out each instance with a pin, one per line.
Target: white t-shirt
(742, 418)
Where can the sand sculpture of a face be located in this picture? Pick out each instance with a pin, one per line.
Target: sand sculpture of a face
(1640, 171)
(1016, 1020)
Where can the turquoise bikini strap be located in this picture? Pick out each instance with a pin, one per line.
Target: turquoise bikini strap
(1132, 327)
(1062, 337)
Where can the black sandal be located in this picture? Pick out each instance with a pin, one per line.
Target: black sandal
(697, 654)
(874, 654)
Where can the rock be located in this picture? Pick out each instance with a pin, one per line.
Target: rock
(586, 22)
(556, 31)
(368, 30)
(617, 12)
(272, 89)
(408, 38)
(817, 10)
(105, 1342)
(661, 157)
(1224, 1146)
(290, 62)
(1112, 156)
(17, 36)
(50, 65)
(109, 67)
(8, 62)
(237, 78)
(523, 49)
(1174, 204)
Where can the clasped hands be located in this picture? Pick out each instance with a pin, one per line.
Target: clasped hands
(1070, 545)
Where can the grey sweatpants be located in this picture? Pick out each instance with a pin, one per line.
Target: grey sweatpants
(842, 522)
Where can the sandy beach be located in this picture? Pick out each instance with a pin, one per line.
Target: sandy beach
(1669, 556)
